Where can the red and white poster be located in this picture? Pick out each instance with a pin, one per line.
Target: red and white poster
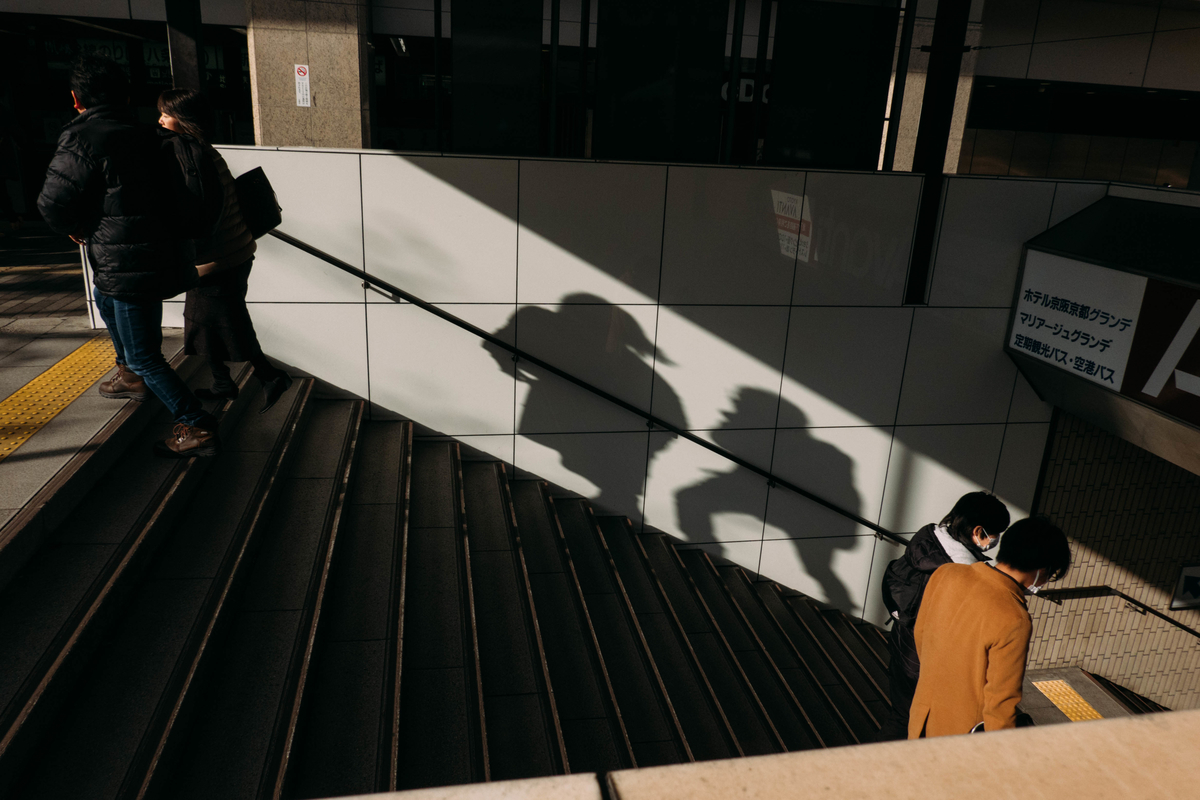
(793, 220)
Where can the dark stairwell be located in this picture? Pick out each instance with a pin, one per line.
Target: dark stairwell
(336, 606)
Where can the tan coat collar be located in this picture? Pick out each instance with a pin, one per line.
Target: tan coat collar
(1000, 579)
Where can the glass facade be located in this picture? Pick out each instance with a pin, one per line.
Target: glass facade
(645, 80)
(36, 53)
(1056, 129)
(651, 84)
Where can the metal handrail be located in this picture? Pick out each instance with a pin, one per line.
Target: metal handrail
(1056, 596)
(652, 421)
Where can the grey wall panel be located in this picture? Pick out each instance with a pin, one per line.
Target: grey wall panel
(113, 9)
(224, 12)
(152, 10)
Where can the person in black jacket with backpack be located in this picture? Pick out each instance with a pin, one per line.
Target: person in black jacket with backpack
(109, 187)
(971, 528)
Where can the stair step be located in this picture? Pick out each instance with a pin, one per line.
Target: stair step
(22, 536)
(526, 739)
(347, 743)
(852, 639)
(752, 726)
(624, 640)
(823, 715)
(142, 684)
(862, 724)
(442, 735)
(593, 731)
(875, 639)
(57, 608)
(245, 720)
(702, 728)
(847, 665)
(839, 644)
(765, 678)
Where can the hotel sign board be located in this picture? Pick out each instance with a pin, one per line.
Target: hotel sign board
(1129, 333)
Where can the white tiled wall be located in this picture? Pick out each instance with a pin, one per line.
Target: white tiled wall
(666, 286)
(721, 243)
(443, 229)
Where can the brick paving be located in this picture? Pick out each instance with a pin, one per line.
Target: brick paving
(1133, 520)
(40, 274)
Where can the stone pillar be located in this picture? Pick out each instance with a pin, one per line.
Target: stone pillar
(331, 38)
(914, 90)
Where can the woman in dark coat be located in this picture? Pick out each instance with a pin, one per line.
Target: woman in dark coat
(216, 321)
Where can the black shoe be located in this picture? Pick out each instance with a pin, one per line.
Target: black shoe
(217, 394)
(273, 390)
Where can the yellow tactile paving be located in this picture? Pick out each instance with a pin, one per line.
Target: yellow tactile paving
(29, 408)
(1068, 700)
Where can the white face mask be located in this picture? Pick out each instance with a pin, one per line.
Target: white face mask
(990, 543)
(1035, 587)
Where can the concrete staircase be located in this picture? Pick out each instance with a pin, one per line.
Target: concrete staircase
(335, 606)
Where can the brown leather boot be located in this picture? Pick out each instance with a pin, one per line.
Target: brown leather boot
(189, 441)
(124, 385)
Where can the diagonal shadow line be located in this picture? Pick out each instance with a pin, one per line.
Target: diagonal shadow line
(398, 295)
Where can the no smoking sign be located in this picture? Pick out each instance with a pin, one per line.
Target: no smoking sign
(303, 95)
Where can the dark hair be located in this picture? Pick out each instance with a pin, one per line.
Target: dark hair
(1033, 544)
(97, 80)
(191, 108)
(976, 508)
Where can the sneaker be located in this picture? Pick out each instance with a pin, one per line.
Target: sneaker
(273, 390)
(217, 394)
(125, 385)
(189, 441)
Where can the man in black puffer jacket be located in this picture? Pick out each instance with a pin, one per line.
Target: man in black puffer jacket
(107, 188)
(971, 528)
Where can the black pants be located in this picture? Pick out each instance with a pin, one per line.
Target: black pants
(903, 671)
(223, 380)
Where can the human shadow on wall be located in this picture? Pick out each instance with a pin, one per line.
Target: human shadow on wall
(604, 345)
(725, 492)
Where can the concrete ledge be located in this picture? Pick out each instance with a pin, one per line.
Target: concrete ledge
(565, 787)
(1153, 755)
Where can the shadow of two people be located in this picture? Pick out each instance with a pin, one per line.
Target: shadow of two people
(726, 493)
(603, 344)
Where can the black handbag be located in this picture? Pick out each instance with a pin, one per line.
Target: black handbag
(256, 198)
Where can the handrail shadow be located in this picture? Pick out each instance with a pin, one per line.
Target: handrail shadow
(399, 295)
(1057, 596)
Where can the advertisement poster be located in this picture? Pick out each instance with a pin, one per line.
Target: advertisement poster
(793, 220)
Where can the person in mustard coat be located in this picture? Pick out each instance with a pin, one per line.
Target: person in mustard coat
(973, 631)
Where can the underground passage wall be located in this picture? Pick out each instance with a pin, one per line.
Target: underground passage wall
(760, 308)
(1132, 518)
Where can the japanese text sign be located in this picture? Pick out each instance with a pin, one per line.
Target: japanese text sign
(1077, 316)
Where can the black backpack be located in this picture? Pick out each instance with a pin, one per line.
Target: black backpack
(194, 191)
(257, 201)
(903, 588)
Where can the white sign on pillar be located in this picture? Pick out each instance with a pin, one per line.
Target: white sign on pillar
(303, 96)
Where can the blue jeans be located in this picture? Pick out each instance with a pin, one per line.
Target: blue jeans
(136, 330)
